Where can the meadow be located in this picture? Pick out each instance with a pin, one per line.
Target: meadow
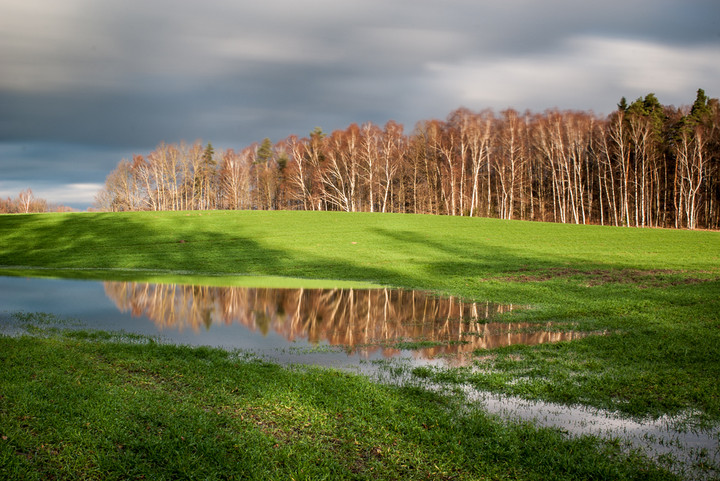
(654, 294)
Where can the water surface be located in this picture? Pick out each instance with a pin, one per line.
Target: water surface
(342, 322)
(342, 328)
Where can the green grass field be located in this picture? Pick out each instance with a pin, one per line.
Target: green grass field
(73, 409)
(655, 293)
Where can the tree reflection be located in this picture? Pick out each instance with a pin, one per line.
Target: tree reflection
(359, 319)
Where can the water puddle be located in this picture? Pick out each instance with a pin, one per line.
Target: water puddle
(678, 443)
(331, 327)
(357, 329)
(690, 451)
(362, 321)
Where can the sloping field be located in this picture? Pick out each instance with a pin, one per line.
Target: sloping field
(417, 250)
(654, 294)
(78, 404)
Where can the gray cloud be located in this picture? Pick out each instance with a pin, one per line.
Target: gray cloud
(86, 82)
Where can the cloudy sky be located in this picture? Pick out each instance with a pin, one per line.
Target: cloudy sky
(85, 83)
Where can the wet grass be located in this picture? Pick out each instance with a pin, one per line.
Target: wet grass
(655, 294)
(76, 405)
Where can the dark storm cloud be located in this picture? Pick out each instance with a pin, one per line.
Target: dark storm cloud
(56, 162)
(106, 79)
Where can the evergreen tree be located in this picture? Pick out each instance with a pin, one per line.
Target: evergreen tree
(623, 105)
(700, 111)
(204, 179)
(265, 152)
(209, 156)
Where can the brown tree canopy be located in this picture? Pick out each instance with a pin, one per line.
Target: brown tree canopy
(644, 165)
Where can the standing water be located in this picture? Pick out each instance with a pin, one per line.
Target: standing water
(346, 328)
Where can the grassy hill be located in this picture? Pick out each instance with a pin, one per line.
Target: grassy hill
(654, 294)
(657, 292)
(409, 250)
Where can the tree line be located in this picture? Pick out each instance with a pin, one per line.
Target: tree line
(644, 165)
(26, 202)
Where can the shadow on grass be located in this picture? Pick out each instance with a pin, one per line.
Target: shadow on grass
(138, 246)
(666, 329)
(172, 412)
(125, 247)
(454, 261)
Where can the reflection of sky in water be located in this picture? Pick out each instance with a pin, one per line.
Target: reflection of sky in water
(87, 301)
(286, 325)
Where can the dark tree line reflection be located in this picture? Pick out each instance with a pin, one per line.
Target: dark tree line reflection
(356, 318)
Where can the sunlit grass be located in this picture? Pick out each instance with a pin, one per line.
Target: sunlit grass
(76, 406)
(427, 250)
(654, 292)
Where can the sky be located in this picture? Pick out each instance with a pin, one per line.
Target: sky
(86, 83)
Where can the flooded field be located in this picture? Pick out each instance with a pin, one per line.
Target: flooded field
(359, 329)
(354, 323)
(360, 320)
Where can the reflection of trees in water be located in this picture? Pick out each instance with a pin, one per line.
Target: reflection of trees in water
(349, 317)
